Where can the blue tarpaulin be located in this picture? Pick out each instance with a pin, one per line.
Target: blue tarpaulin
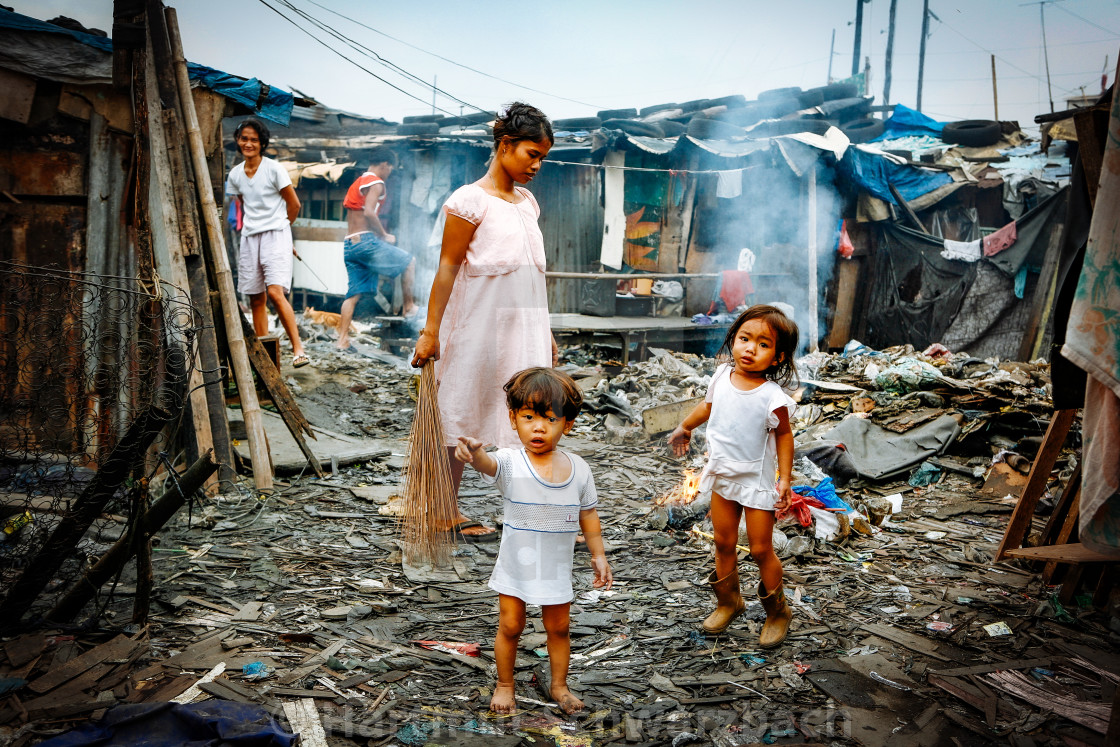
(872, 172)
(905, 121)
(206, 724)
(268, 103)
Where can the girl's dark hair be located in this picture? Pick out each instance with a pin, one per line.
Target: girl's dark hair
(783, 371)
(521, 122)
(544, 389)
(256, 124)
(383, 154)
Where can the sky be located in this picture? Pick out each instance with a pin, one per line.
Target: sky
(575, 58)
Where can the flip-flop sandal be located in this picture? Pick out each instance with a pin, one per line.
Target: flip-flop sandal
(491, 536)
(300, 361)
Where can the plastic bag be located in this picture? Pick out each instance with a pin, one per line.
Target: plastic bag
(825, 493)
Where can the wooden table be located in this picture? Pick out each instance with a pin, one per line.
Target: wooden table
(640, 329)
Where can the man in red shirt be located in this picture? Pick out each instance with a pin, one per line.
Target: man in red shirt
(369, 250)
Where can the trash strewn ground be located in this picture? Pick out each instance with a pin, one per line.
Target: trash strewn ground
(904, 631)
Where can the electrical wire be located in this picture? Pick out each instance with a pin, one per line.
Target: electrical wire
(1086, 20)
(976, 44)
(352, 62)
(372, 54)
(448, 60)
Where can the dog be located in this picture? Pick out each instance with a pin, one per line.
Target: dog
(326, 319)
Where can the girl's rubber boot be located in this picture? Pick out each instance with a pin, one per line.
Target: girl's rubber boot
(729, 602)
(778, 615)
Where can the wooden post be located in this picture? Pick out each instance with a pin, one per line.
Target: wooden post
(812, 222)
(995, 92)
(1021, 517)
(216, 245)
(1042, 301)
(614, 215)
(922, 52)
(890, 55)
(907, 210)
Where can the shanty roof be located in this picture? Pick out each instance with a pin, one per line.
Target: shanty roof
(46, 50)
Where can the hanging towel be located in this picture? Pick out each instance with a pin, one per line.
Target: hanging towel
(1000, 240)
(966, 251)
(735, 288)
(729, 183)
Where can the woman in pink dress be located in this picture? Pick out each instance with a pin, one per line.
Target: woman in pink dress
(488, 309)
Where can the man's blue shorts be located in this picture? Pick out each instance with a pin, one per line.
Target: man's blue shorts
(367, 257)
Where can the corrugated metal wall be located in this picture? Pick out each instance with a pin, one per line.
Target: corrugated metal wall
(570, 196)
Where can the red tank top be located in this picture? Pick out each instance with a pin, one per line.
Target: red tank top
(356, 195)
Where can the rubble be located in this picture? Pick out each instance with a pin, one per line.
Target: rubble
(300, 605)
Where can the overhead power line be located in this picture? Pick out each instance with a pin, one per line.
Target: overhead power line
(448, 60)
(352, 62)
(1086, 20)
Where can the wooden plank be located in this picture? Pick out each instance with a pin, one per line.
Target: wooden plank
(1068, 527)
(22, 650)
(17, 93)
(847, 280)
(907, 210)
(249, 612)
(118, 648)
(1093, 715)
(1021, 518)
(279, 392)
(1091, 147)
(998, 666)
(195, 690)
(1042, 301)
(303, 717)
(1072, 553)
(664, 418)
(907, 639)
(1061, 509)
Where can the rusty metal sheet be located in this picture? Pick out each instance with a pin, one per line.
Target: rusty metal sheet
(53, 173)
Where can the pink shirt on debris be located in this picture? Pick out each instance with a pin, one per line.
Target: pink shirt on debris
(496, 320)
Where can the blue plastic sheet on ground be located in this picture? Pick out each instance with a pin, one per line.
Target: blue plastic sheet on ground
(206, 724)
(873, 172)
(906, 121)
(825, 492)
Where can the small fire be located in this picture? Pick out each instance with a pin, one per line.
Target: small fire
(684, 493)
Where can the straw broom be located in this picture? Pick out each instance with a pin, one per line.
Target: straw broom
(430, 504)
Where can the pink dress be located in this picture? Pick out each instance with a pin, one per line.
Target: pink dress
(496, 320)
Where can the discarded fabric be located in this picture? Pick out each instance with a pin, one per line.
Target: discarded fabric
(1000, 240)
(965, 251)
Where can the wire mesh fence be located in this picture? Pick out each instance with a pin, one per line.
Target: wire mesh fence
(93, 372)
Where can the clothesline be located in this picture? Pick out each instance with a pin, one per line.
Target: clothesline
(640, 168)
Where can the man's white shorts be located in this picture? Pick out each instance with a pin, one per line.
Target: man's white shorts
(265, 259)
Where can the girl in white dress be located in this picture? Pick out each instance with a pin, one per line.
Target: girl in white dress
(549, 495)
(749, 440)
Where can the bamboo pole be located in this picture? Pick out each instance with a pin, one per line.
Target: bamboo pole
(216, 245)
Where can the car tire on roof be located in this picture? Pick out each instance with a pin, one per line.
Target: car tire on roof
(421, 118)
(736, 101)
(633, 127)
(863, 130)
(577, 123)
(811, 98)
(713, 129)
(778, 127)
(617, 114)
(834, 91)
(670, 128)
(780, 93)
(657, 108)
(974, 133)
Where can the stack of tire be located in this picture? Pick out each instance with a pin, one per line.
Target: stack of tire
(422, 124)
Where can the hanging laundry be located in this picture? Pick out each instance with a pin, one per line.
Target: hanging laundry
(844, 241)
(729, 183)
(735, 288)
(1000, 240)
(966, 251)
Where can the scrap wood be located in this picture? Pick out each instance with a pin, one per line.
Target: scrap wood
(1094, 716)
(303, 717)
(120, 647)
(998, 666)
(909, 640)
(195, 690)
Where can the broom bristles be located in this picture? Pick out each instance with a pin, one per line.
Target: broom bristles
(430, 503)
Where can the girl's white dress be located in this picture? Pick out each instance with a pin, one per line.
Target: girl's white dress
(742, 452)
(540, 524)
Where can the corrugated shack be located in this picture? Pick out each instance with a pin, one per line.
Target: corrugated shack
(739, 201)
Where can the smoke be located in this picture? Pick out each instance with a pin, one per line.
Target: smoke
(771, 218)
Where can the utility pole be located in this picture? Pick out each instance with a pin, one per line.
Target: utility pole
(922, 51)
(435, 79)
(859, 35)
(1045, 52)
(995, 93)
(890, 53)
(832, 47)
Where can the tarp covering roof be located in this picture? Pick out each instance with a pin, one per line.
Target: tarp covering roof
(38, 48)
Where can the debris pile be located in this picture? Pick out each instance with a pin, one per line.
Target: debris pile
(904, 630)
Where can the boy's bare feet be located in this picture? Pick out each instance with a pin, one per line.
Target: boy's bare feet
(568, 703)
(504, 700)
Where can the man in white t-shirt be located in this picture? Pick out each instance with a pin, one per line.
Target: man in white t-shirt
(269, 207)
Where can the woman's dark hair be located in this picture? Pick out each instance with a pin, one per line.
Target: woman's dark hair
(544, 389)
(783, 371)
(256, 124)
(521, 122)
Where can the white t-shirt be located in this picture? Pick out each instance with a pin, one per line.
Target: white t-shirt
(742, 453)
(265, 209)
(540, 524)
